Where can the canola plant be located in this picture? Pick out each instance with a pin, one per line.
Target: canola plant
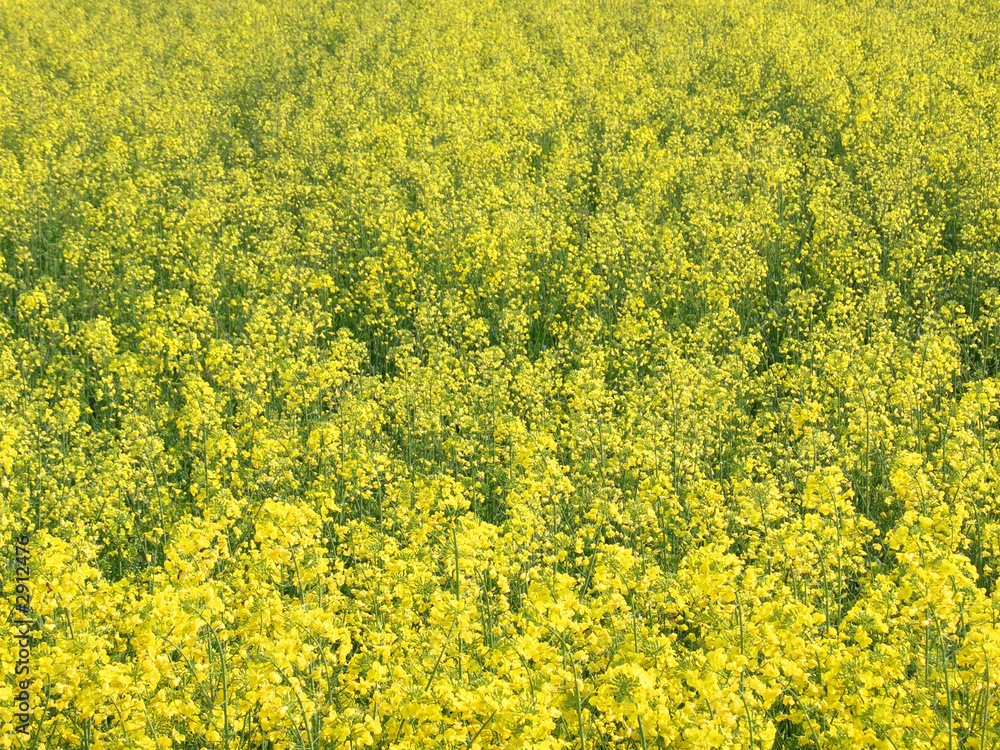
(574, 374)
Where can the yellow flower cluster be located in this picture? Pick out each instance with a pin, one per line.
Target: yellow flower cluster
(577, 375)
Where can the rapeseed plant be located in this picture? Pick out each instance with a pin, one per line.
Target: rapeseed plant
(513, 375)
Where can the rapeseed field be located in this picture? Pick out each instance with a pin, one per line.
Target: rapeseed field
(578, 374)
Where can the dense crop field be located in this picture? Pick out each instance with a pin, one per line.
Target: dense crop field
(459, 374)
